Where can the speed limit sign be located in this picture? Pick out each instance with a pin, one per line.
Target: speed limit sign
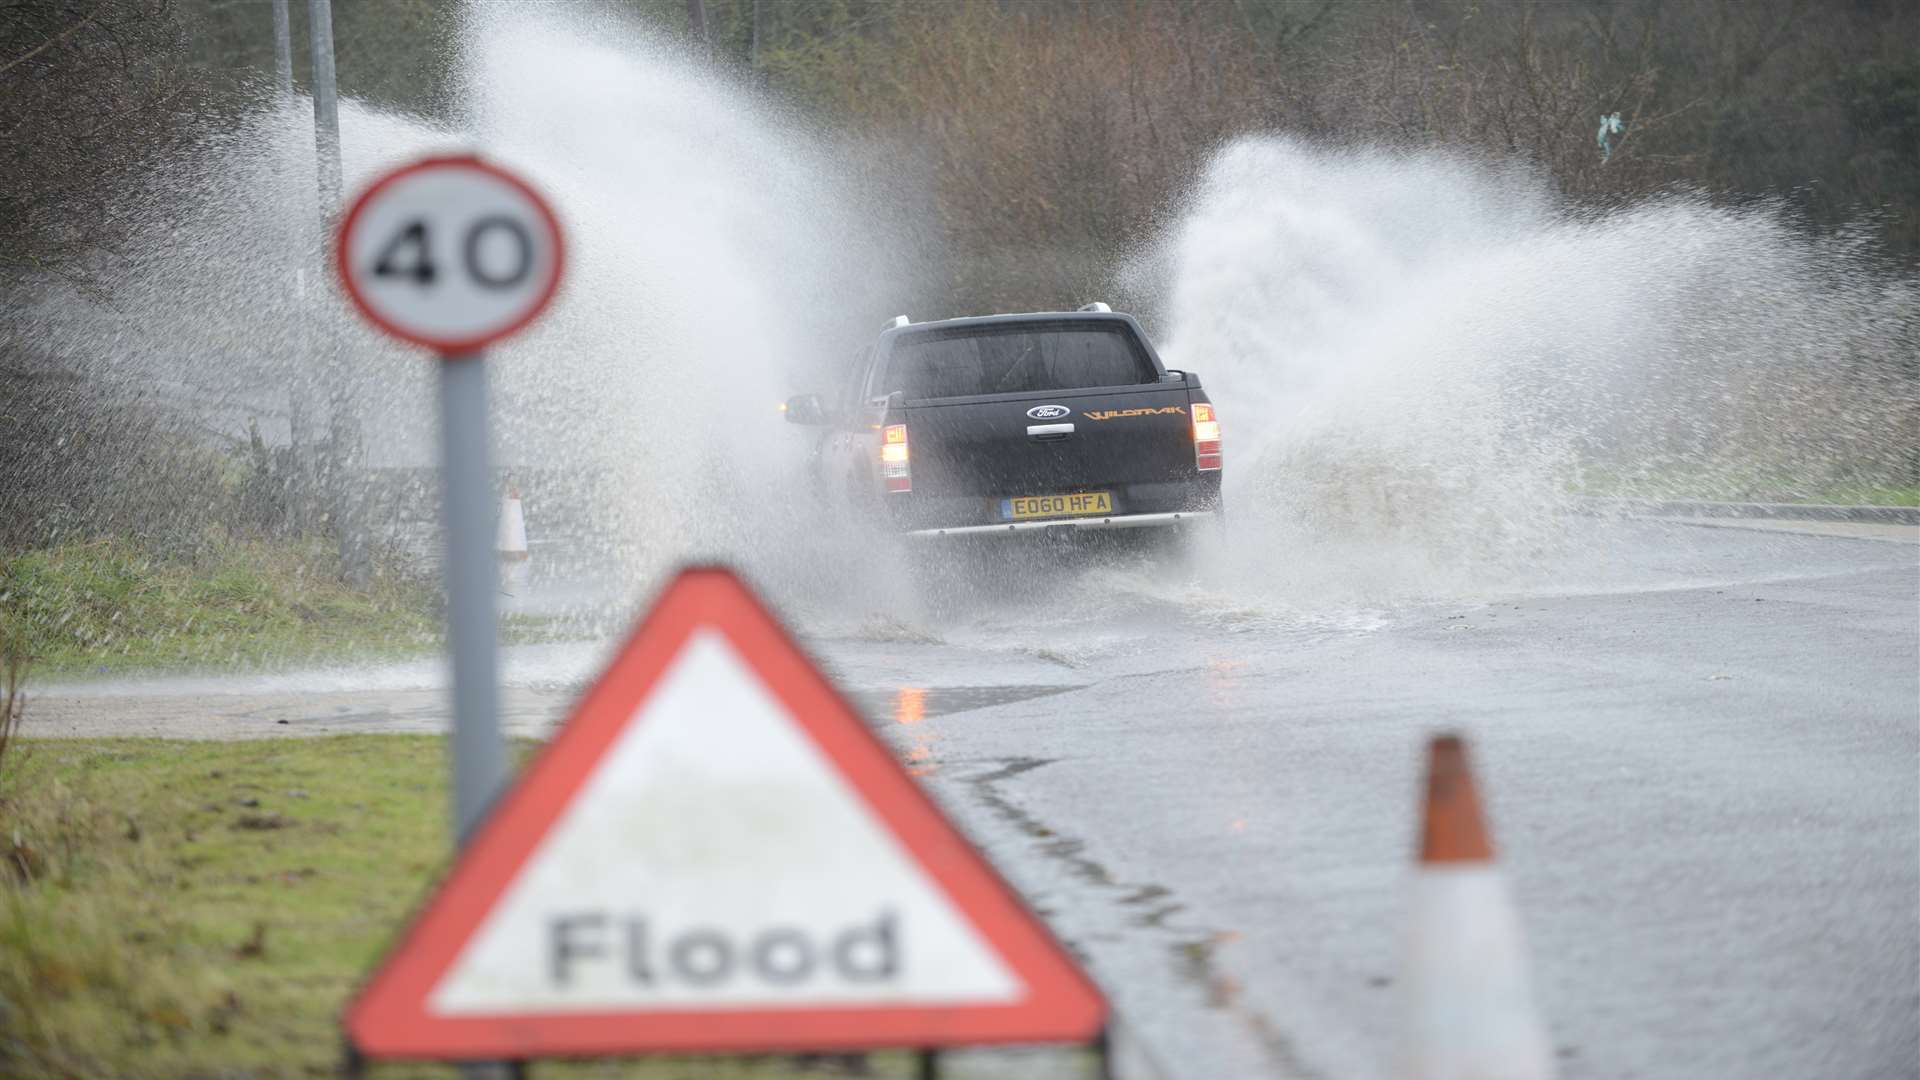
(451, 253)
(455, 254)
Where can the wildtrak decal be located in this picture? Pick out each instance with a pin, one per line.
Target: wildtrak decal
(1122, 414)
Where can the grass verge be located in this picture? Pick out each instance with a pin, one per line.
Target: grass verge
(104, 608)
(198, 909)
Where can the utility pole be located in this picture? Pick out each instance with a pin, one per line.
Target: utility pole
(343, 429)
(300, 484)
(282, 50)
(326, 109)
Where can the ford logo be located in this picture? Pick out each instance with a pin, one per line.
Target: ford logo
(1048, 412)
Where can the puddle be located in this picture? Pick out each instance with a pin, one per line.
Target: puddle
(912, 704)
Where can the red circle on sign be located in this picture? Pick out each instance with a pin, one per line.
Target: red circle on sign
(449, 348)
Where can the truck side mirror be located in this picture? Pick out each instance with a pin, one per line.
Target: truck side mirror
(805, 409)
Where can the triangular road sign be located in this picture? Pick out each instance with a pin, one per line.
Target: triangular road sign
(714, 854)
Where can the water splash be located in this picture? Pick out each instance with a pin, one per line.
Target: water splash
(1419, 358)
(724, 253)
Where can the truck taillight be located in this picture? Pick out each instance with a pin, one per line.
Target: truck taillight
(895, 469)
(1206, 437)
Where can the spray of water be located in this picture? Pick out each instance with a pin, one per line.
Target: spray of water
(725, 258)
(1420, 358)
(724, 254)
(1417, 356)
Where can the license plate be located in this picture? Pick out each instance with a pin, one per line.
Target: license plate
(1039, 506)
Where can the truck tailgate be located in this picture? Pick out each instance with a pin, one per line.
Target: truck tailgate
(1109, 437)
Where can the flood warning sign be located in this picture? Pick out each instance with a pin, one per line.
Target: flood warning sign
(714, 853)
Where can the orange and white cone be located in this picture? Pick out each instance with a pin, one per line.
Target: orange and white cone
(1469, 1002)
(511, 543)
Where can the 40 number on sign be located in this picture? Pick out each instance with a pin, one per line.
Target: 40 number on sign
(450, 253)
(414, 245)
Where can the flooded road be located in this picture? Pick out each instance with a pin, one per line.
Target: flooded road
(1701, 749)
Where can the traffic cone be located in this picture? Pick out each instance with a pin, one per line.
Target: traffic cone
(1469, 1003)
(511, 543)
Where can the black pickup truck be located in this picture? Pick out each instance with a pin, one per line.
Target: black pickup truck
(1007, 424)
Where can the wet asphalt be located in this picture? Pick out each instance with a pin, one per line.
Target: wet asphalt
(1701, 754)
(1699, 747)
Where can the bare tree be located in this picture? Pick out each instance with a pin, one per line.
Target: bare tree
(91, 94)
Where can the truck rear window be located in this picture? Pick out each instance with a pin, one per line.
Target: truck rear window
(1015, 360)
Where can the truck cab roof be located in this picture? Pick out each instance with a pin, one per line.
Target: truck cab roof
(901, 324)
(1092, 314)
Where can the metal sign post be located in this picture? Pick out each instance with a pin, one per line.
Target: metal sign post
(479, 756)
(454, 254)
